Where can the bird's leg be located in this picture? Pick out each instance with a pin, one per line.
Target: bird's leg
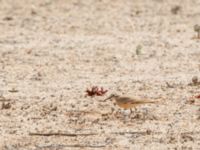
(112, 110)
(117, 112)
(135, 110)
(131, 111)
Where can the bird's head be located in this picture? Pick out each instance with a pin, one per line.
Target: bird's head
(112, 96)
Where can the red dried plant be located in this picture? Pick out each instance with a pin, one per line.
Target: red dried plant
(95, 91)
(197, 96)
(193, 98)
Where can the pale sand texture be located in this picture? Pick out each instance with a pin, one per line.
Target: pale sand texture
(51, 51)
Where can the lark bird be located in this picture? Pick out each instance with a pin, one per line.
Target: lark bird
(128, 102)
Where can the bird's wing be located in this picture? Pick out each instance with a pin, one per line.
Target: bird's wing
(143, 101)
(126, 100)
(129, 100)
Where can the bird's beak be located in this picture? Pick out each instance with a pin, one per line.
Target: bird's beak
(108, 98)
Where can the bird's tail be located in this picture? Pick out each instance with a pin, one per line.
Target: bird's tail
(145, 101)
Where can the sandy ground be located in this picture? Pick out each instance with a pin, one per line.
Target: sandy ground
(51, 51)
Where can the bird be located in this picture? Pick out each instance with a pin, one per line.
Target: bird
(128, 102)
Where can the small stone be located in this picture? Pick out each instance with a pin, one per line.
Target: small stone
(175, 10)
(195, 80)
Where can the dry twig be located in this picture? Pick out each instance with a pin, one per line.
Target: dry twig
(3, 99)
(62, 134)
(74, 145)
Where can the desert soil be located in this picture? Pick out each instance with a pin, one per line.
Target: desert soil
(52, 51)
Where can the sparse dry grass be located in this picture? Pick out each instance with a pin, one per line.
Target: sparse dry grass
(51, 51)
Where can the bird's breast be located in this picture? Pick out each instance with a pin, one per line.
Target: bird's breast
(125, 105)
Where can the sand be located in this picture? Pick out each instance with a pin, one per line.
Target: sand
(52, 51)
